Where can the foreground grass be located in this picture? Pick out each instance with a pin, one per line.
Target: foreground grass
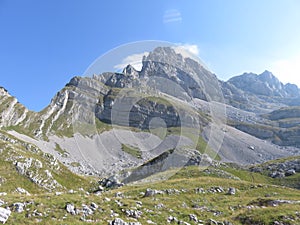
(250, 205)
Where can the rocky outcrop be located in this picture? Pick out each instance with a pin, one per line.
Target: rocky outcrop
(33, 169)
(11, 111)
(173, 158)
(285, 113)
(280, 169)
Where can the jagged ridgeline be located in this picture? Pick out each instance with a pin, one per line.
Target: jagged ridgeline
(112, 121)
(164, 88)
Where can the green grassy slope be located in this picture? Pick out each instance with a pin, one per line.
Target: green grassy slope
(191, 191)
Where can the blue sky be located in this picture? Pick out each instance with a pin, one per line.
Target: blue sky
(43, 44)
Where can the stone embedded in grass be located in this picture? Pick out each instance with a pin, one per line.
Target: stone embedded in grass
(18, 207)
(71, 209)
(172, 219)
(193, 218)
(22, 191)
(231, 191)
(4, 215)
(119, 221)
(133, 213)
(87, 210)
(111, 182)
(290, 172)
(94, 206)
(199, 190)
(119, 195)
(277, 174)
(150, 192)
(216, 190)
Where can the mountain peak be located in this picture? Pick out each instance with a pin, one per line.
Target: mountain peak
(164, 55)
(267, 72)
(264, 84)
(268, 76)
(130, 71)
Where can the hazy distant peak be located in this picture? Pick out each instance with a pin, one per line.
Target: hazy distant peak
(264, 84)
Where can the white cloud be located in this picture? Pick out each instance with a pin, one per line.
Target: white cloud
(188, 51)
(135, 60)
(171, 16)
(194, 49)
(287, 70)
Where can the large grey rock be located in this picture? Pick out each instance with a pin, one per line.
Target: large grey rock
(18, 207)
(70, 208)
(4, 215)
(290, 172)
(22, 191)
(119, 221)
(133, 213)
(231, 191)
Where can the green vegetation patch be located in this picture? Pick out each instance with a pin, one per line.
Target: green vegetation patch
(135, 152)
(60, 150)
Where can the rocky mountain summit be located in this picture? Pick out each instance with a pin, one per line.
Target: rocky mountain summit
(260, 93)
(265, 84)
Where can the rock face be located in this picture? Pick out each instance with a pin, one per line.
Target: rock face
(194, 80)
(282, 126)
(11, 111)
(259, 93)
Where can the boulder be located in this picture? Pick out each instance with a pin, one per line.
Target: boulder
(71, 209)
(290, 172)
(4, 215)
(119, 221)
(231, 191)
(22, 191)
(18, 207)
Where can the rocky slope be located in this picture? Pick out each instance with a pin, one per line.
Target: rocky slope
(11, 111)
